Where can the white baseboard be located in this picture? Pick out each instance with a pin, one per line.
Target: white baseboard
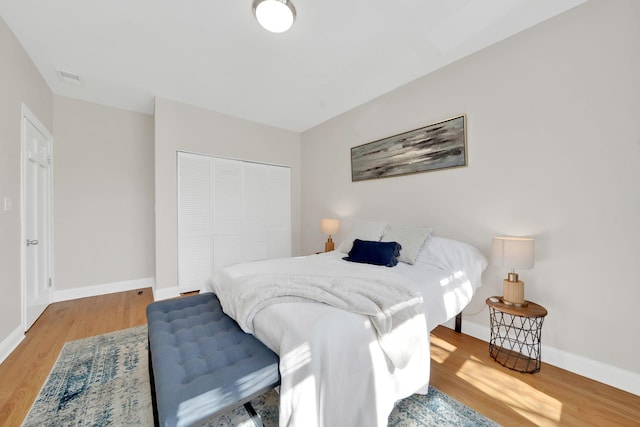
(165, 293)
(11, 342)
(107, 288)
(592, 369)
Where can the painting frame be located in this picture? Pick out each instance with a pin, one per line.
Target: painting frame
(438, 146)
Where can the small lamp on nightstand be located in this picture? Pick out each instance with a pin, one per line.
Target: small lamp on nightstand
(329, 226)
(512, 253)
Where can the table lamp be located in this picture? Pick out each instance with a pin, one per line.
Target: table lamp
(513, 253)
(329, 226)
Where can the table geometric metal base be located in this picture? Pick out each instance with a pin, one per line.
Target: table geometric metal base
(515, 340)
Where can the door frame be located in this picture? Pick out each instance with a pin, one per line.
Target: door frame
(25, 116)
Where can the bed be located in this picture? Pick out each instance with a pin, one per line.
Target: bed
(340, 367)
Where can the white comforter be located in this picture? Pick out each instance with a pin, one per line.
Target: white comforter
(394, 310)
(333, 370)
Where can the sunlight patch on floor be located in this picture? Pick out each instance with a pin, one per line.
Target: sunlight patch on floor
(440, 349)
(497, 384)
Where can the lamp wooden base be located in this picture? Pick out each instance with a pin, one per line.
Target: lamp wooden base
(514, 293)
(329, 246)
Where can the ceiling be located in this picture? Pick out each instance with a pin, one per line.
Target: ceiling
(213, 53)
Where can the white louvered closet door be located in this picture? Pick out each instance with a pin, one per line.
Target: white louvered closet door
(229, 211)
(279, 226)
(256, 211)
(195, 231)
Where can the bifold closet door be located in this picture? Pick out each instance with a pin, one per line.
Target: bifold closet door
(279, 228)
(256, 211)
(267, 211)
(195, 228)
(229, 211)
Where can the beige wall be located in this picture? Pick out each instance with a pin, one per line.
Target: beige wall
(554, 145)
(20, 83)
(103, 195)
(188, 128)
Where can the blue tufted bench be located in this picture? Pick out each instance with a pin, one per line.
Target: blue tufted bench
(201, 363)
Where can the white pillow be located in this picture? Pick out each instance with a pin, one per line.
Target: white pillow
(363, 230)
(453, 255)
(410, 238)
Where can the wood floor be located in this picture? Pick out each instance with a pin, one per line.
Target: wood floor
(23, 373)
(461, 367)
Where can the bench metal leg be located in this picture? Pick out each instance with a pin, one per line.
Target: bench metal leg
(154, 402)
(253, 414)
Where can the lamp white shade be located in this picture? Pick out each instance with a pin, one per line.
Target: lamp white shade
(276, 16)
(330, 226)
(513, 252)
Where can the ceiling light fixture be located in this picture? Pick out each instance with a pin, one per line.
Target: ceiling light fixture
(276, 16)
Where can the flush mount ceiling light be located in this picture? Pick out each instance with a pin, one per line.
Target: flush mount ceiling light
(276, 16)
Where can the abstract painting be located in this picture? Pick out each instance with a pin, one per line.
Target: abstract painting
(437, 146)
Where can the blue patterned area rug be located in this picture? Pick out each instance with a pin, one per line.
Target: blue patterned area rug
(104, 380)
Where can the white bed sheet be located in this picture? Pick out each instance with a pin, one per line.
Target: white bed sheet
(333, 371)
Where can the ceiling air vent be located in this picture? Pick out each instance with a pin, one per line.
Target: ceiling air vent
(68, 77)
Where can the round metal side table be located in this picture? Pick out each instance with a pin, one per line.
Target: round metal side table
(515, 334)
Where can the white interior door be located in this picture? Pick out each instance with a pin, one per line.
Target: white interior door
(36, 215)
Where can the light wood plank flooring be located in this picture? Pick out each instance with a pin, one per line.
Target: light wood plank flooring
(23, 373)
(461, 367)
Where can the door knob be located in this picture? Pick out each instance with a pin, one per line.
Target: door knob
(32, 242)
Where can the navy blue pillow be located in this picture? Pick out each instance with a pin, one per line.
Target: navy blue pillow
(378, 253)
